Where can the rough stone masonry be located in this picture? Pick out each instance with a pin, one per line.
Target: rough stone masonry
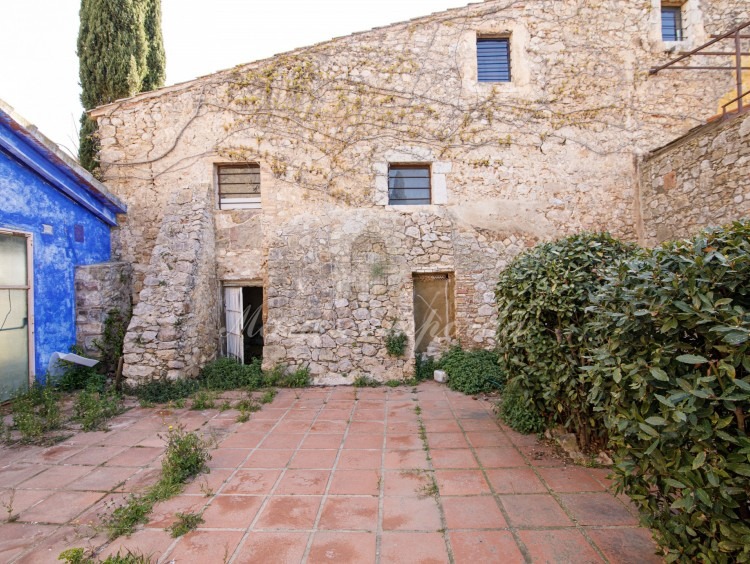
(551, 152)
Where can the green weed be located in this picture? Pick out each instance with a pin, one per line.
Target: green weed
(36, 412)
(203, 400)
(93, 408)
(365, 381)
(185, 523)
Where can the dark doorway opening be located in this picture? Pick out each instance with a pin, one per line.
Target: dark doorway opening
(252, 300)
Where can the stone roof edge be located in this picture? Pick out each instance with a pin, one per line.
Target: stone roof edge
(712, 124)
(102, 110)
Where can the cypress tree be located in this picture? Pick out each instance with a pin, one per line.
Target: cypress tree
(157, 61)
(120, 53)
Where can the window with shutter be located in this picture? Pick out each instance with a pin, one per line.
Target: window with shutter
(493, 59)
(409, 185)
(671, 23)
(239, 186)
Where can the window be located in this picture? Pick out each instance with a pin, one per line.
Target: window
(239, 186)
(493, 60)
(409, 185)
(671, 23)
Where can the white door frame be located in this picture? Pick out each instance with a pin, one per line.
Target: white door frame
(29, 287)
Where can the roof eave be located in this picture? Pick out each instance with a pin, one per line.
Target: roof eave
(68, 173)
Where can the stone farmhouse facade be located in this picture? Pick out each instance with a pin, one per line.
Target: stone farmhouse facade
(379, 182)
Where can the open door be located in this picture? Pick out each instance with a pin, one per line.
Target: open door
(243, 307)
(15, 324)
(233, 308)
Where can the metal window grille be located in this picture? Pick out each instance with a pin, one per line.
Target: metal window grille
(409, 185)
(671, 23)
(493, 60)
(239, 186)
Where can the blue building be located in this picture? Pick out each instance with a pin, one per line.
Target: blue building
(54, 217)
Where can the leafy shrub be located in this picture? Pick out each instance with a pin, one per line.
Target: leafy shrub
(163, 390)
(93, 408)
(228, 374)
(36, 412)
(543, 337)
(472, 372)
(672, 377)
(221, 375)
(78, 377)
(424, 367)
(111, 344)
(518, 412)
(395, 343)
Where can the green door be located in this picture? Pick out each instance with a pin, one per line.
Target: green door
(14, 315)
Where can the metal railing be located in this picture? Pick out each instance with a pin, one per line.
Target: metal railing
(737, 36)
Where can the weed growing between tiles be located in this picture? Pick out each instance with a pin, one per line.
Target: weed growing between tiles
(46, 415)
(79, 556)
(185, 523)
(8, 506)
(185, 457)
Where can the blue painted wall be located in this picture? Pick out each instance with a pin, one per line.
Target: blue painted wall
(27, 201)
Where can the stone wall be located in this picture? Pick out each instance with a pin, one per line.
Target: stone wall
(173, 331)
(549, 154)
(697, 181)
(100, 289)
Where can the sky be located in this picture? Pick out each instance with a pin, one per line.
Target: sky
(39, 66)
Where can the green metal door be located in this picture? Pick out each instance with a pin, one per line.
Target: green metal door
(14, 314)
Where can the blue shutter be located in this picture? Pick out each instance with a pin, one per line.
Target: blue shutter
(493, 60)
(671, 23)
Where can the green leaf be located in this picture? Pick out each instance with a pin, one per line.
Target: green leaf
(741, 469)
(699, 460)
(735, 337)
(691, 359)
(659, 374)
(656, 420)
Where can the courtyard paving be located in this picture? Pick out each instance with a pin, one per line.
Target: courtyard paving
(326, 475)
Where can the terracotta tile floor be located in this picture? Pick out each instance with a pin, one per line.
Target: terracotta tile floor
(326, 475)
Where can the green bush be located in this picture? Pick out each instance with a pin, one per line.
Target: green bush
(519, 413)
(78, 377)
(472, 372)
(672, 376)
(543, 337)
(395, 343)
(424, 367)
(163, 390)
(228, 374)
(221, 375)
